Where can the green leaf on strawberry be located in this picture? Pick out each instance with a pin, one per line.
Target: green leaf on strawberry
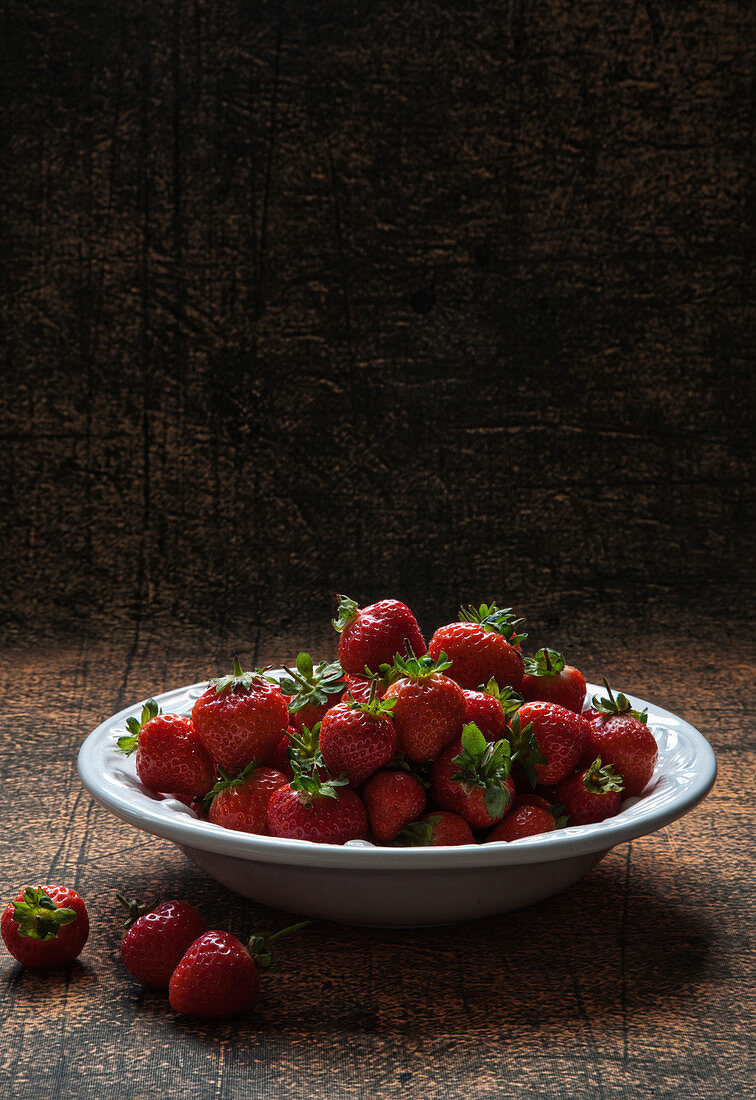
(546, 662)
(484, 764)
(619, 704)
(600, 779)
(311, 684)
(525, 748)
(38, 917)
(304, 749)
(129, 741)
(240, 678)
(419, 668)
(500, 620)
(346, 614)
(509, 699)
(418, 834)
(376, 708)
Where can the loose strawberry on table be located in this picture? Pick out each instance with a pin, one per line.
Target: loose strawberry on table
(429, 707)
(170, 757)
(156, 937)
(311, 689)
(358, 738)
(591, 795)
(471, 778)
(45, 926)
(547, 741)
(240, 718)
(483, 645)
(373, 635)
(548, 678)
(241, 802)
(620, 736)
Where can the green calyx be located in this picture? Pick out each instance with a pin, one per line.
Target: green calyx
(375, 708)
(310, 785)
(229, 782)
(602, 779)
(509, 699)
(560, 817)
(130, 741)
(420, 772)
(135, 909)
(419, 668)
(38, 917)
(418, 834)
(525, 748)
(499, 620)
(240, 679)
(259, 945)
(303, 751)
(546, 662)
(486, 765)
(346, 614)
(310, 684)
(617, 704)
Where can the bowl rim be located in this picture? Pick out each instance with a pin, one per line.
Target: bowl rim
(678, 792)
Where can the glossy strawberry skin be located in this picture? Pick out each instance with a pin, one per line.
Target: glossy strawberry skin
(156, 941)
(241, 724)
(325, 821)
(524, 819)
(244, 807)
(561, 736)
(448, 829)
(39, 953)
(171, 757)
(585, 807)
(279, 758)
(310, 714)
(392, 800)
(486, 713)
(359, 688)
(477, 655)
(450, 794)
(625, 743)
(376, 634)
(355, 743)
(215, 978)
(428, 715)
(565, 688)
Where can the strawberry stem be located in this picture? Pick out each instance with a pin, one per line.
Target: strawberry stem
(259, 944)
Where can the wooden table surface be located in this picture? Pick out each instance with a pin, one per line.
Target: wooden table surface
(638, 981)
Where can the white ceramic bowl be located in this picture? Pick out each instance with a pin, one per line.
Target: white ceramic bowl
(360, 883)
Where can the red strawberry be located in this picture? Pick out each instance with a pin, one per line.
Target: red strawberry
(471, 778)
(429, 707)
(372, 636)
(549, 679)
(218, 976)
(526, 818)
(357, 739)
(490, 709)
(392, 800)
(360, 687)
(481, 647)
(169, 755)
(547, 741)
(620, 736)
(241, 803)
(240, 718)
(439, 828)
(156, 939)
(591, 795)
(279, 758)
(312, 809)
(45, 926)
(312, 690)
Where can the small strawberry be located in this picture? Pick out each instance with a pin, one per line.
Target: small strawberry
(169, 754)
(392, 799)
(241, 802)
(471, 778)
(549, 679)
(279, 758)
(218, 975)
(620, 736)
(156, 937)
(311, 808)
(439, 829)
(372, 636)
(45, 926)
(529, 816)
(490, 709)
(591, 795)
(240, 718)
(429, 708)
(358, 738)
(547, 741)
(482, 646)
(360, 687)
(311, 690)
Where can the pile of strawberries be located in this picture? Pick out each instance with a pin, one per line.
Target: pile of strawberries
(462, 741)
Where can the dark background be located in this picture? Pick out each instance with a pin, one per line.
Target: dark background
(440, 301)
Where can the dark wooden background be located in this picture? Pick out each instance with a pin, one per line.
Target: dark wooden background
(449, 302)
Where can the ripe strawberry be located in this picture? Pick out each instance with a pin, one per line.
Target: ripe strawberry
(156, 938)
(591, 795)
(392, 800)
(471, 778)
(310, 808)
(372, 636)
(429, 708)
(218, 976)
(481, 647)
(620, 736)
(490, 709)
(311, 690)
(440, 828)
(527, 817)
(279, 758)
(358, 738)
(169, 755)
(360, 687)
(45, 926)
(547, 741)
(549, 679)
(241, 803)
(240, 718)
